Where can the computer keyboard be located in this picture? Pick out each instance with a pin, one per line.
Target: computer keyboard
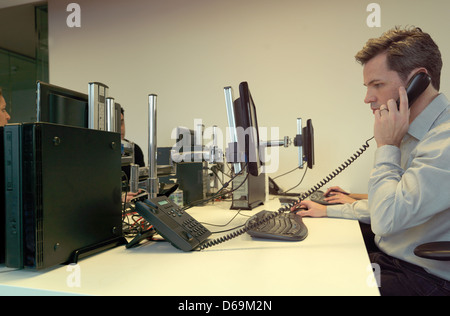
(286, 226)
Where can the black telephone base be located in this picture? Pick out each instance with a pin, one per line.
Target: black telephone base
(173, 223)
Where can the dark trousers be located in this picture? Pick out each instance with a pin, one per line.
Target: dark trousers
(400, 278)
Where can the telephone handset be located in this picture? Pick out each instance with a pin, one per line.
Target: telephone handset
(416, 86)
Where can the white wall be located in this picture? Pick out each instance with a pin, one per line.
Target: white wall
(297, 55)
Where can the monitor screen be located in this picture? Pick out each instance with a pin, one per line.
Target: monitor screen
(247, 129)
(61, 106)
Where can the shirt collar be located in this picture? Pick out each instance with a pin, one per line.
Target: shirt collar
(423, 123)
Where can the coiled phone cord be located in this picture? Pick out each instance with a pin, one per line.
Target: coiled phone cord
(288, 207)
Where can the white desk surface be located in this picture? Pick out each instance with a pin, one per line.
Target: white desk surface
(332, 260)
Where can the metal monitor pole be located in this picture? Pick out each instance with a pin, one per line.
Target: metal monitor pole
(153, 185)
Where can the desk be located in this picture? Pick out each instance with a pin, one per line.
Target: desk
(332, 260)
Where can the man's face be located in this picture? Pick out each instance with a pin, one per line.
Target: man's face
(4, 116)
(382, 84)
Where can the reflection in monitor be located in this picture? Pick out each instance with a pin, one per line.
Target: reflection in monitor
(61, 106)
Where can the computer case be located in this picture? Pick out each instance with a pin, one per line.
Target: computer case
(248, 191)
(63, 193)
(192, 178)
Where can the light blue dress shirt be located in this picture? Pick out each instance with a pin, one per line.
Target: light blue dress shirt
(409, 190)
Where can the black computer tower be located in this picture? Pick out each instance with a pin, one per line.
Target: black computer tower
(63, 193)
(248, 191)
(192, 178)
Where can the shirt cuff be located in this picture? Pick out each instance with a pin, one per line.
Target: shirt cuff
(387, 154)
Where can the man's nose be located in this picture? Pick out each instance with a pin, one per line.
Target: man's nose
(370, 98)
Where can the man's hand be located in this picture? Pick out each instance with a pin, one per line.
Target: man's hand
(339, 198)
(334, 190)
(337, 195)
(391, 124)
(130, 196)
(309, 208)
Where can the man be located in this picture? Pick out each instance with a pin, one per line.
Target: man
(4, 116)
(408, 202)
(138, 156)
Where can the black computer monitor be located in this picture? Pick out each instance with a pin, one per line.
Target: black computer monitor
(308, 144)
(59, 105)
(247, 130)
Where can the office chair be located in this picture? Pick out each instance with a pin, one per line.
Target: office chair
(434, 250)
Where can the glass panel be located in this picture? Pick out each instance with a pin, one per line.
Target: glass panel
(18, 73)
(42, 43)
(4, 78)
(23, 89)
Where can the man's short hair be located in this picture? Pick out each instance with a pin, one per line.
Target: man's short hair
(406, 49)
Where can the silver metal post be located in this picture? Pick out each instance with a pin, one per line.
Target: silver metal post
(232, 125)
(300, 148)
(153, 185)
(134, 178)
(110, 115)
(98, 92)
